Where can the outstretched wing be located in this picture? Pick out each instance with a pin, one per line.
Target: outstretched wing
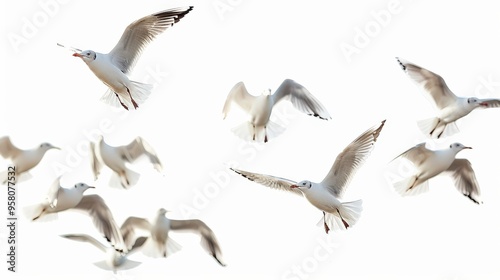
(85, 238)
(238, 94)
(103, 219)
(417, 155)
(347, 162)
(208, 240)
(301, 99)
(129, 230)
(273, 182)
(432, 84)
(465, 179)
(137, 148)
(140, 33)
(7, 149)
(95, 163)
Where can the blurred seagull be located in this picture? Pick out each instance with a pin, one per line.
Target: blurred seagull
(114, 260)
(326, 194)
(112, 68)
(60, 199)
(22, 160)
(451, 107)
(429, 163)
(158, 230)
(260, 108)
(116, 157)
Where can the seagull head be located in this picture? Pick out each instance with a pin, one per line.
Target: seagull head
(47, 146)
(162, 212)
(458, 147)
(302, 185)
(83, 187)
(475, 102)
(87, 56)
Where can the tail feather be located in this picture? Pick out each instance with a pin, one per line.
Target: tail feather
(403, 187)
(124, 182)
(139, 91)
(247, 132)
(438, 129)
(32, 212)
(350, 212)
(151, 248)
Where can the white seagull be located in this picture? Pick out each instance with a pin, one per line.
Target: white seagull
(450, 107)
(114, 67)
(157, 232)
(22, 160)
(114, 260)
(326, 195)
(260, 108)
(60, 199)
(116, 157)
(429, 163)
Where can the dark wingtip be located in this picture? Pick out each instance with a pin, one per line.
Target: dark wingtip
(401, 64)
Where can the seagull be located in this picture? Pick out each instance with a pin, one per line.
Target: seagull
(22, 160)
(158, 231)
(429, 163)
(114, 67)
(327, 194)
(450, 107)
(260, 108)
(116, 158)
(60, 199)
(114, 260)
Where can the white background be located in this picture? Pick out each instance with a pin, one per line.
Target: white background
(50, 96)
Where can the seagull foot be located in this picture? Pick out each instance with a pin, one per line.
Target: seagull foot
(327, 229)
(345, 223)
(135, 104)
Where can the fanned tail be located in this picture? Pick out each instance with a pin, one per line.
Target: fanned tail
(348, 215)
(259, 134)
(139, 91)
(435, 128)
(152, 249)
(403, 187)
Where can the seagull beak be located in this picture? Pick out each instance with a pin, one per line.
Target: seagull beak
(484, 104)
(57, 148)
(77, 55)
(293, 186)
(467, 147)
(91, 187)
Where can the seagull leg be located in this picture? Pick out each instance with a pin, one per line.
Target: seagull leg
(413, 184)
(132, 99)
(123, 105)
(265, 136)
(327, 229)
(343, 221)
(432, 131)
(253, 132)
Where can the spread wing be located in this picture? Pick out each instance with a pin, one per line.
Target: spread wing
(273, 182)
(7, 149)
(465, 179)
(208, 240)
(140, 33)
(95, 163)
(433, 84)
(136, 149)
(53, 192)
(417, 155)
(85, 238)
(103, 219)
(129, 230)
(351, 158)
(238, 94)
(301, 99)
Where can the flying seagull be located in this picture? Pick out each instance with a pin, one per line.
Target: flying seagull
(327, 194)
(158, 230)
(259, 108)
(429, 163)
(114, 260)
(450, 106)
(22, 160)
(61, 199)
(114, 67)
(116, 157)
